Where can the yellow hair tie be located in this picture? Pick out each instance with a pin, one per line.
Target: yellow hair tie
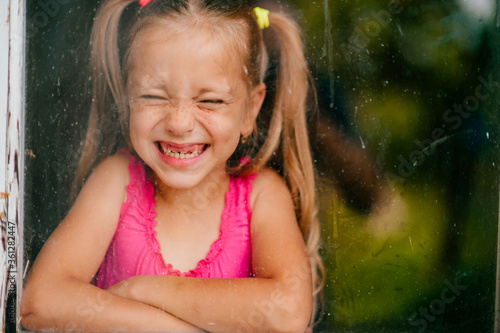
(262, 17)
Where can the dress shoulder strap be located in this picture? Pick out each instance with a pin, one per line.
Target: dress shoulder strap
(140, 190)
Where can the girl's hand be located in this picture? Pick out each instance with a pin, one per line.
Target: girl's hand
(122, 288)
(125, 289)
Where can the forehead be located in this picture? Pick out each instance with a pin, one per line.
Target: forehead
(183, 61)
(224, 37)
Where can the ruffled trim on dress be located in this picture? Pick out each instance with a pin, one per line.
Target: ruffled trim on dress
(140, 191)
(202, 269)
(150, 225)
(134, 187)
(249, 181)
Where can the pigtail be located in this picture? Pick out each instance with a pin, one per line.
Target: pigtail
(288, 134)
(108, 96)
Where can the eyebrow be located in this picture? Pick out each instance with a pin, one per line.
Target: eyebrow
(225, 90)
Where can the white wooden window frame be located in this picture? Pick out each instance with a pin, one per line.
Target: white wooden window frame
(12, 103)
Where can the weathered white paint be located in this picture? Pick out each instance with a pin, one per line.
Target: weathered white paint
(12, 66)
(4, 56)
(4, 77)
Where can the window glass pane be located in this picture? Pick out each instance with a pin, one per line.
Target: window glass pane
(405, 144)
(58, 35)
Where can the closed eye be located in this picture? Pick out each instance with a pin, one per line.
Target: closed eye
(153, 100)
(213, 101)
(151, 97)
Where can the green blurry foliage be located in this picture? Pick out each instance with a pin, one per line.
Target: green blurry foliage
(395, 74)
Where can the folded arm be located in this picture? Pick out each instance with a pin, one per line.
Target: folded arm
(68, 305)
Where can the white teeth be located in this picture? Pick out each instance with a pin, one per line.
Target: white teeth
(180, 155)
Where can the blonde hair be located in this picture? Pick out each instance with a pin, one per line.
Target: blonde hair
(276, 56)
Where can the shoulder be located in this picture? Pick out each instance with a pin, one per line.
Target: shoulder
(268, 186)
(267, 176)
(275, 235)
(110, 177)
(114, 168)
(118, 162)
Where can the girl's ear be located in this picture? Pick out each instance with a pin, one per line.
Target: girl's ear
(256, 100)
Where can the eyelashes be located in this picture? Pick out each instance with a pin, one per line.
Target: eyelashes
(213, 101)
(152, 97)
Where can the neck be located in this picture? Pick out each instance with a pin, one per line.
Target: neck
(199, 197)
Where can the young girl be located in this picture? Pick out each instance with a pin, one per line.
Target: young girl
(183, 225)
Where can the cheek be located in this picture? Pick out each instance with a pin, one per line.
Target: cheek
(223, 126)
(133, 135)
(139, 127)
(133, 125)
(144, 118)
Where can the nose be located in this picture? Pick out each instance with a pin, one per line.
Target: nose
(180, 121)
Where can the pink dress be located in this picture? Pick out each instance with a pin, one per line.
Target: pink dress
(135, 250)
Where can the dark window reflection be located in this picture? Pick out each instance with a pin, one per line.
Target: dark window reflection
(406, 145)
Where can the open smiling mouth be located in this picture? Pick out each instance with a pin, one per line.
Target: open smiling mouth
(191, 151)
